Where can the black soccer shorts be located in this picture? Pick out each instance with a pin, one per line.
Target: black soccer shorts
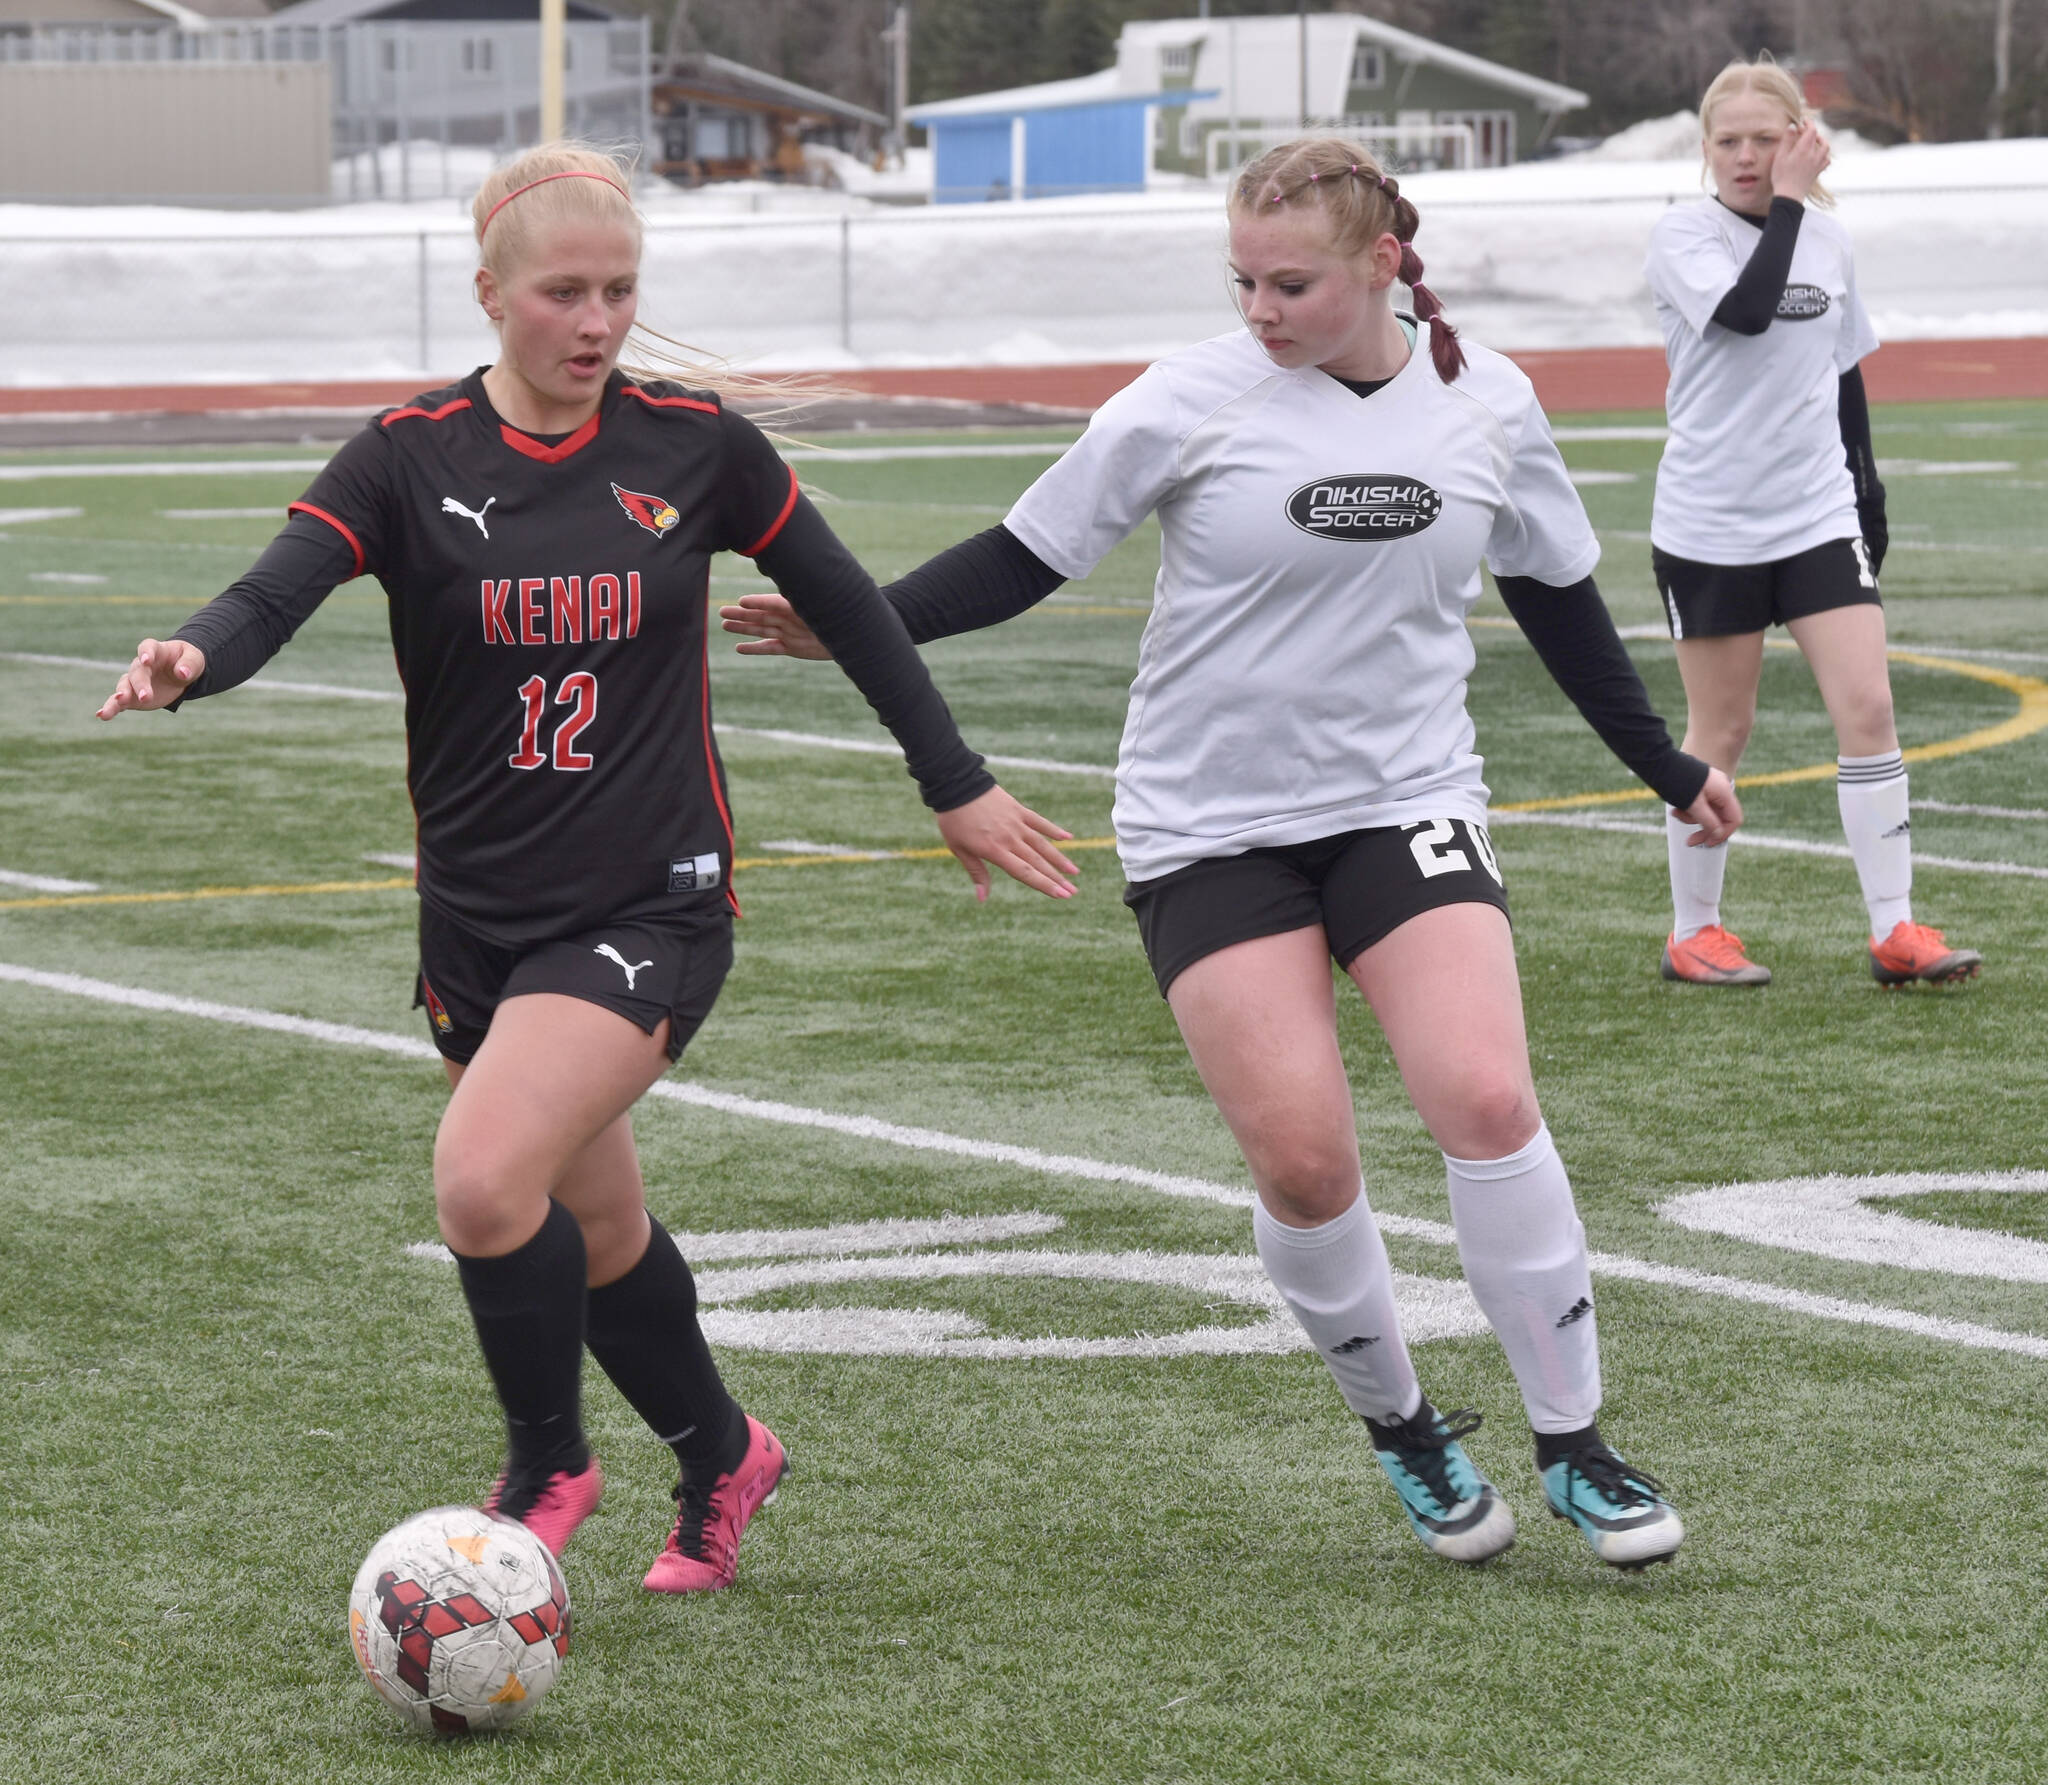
(649, 970)
(1360, 886)
(1722, 600)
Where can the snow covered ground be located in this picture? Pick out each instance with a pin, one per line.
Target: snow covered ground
(1952, 241)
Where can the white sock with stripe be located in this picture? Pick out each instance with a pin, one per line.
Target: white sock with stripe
(1871, 792)
(1696, 876)
(1525, 1258)
(1337, 1280)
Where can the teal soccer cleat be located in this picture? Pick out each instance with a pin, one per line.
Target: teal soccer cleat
(1454, 1509)
(1621, 1510)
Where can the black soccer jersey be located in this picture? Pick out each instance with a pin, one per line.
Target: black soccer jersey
(549, 614)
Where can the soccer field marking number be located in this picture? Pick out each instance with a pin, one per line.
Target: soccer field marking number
(851, 1253)
(1830, 1217)
(1834, 1309)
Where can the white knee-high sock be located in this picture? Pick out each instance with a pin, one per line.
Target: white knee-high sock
(1525, 1257)
(1696, 876)
(1871, 791)
(1337, 1280)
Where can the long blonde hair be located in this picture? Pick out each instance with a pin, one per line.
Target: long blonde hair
(579, 182)
(1766, 78)
(1362, 202)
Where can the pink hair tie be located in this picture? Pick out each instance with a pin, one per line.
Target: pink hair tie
(573, 174)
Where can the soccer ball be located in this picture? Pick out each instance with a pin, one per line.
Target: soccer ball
(459, 1619)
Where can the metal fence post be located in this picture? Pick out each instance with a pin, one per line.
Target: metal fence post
(846, 281)
(426, 365)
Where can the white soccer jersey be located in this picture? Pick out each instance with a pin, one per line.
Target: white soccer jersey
(1754, 470)
(1303, 671)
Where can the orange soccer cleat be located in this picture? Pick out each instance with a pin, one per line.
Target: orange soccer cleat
(1913, 951)
(1712, 956)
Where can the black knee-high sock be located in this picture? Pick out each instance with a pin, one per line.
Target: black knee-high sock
(528, 1309)
(644, 1334)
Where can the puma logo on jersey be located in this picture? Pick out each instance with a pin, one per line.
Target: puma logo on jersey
(1802, 303)
(654, 513)
(629, 968)
(1370, 505)
(450, 506)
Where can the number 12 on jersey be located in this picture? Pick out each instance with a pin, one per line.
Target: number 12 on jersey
(578, 692)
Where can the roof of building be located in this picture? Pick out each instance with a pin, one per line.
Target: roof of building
(716, 78)
(1548, 96)
(1088, 89)
(507, 12)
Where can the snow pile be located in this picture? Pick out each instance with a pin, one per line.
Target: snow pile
(1951, 241)
(911, 182)
(1677, 138)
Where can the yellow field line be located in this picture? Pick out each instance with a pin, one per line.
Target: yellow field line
(2031, 718)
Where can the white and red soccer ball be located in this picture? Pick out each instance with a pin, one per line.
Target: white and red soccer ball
(459, 1619)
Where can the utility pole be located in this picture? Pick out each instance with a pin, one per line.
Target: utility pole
(554, 19)
(896, 40)
(1301, 31)
(2001, 67)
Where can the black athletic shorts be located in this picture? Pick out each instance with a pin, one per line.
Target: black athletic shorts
(1720, 600)
(1360, 886)
(650, 970)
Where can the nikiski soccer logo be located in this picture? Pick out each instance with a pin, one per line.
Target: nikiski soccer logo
(1364, 506)
(656, 513)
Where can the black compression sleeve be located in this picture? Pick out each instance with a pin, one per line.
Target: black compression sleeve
(1853, 409)
(1749, 307)
(249, 622)
(1574, 635)
(838, 600)
(982, 581)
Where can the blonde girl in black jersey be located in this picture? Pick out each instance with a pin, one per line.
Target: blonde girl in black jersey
(544, 530)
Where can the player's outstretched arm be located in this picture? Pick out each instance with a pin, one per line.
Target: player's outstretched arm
(161, 672)
(996, 828)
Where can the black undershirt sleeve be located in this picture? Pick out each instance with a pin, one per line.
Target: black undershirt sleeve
(1854, 411)
(253, 619)
(1574, 635)
(1749, 307)
(838, 600)
(982, 581)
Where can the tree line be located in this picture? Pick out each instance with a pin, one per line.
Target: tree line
(1921, 70)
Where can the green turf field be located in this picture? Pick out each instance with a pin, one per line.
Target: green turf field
(1034, 1529)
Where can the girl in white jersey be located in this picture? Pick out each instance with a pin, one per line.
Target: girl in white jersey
(1769, 508)
(1297, 782)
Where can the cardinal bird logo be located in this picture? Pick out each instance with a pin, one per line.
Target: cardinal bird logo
(655, 513)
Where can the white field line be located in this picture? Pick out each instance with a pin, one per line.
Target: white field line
(65, 576)
(206, 514)
(1062, 1165)
(2020, 812)
(1570, 435)
(145, 468)
(799, 846)
(1790, 845)
(44, 883)
(21, 517)
(1942, 467)
(408, 861)
(265, 684)
(1583, 477)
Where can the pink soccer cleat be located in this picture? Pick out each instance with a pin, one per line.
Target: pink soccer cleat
(703, 1551)
(552, 1509)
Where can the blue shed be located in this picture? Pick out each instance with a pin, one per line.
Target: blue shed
(1048, 141)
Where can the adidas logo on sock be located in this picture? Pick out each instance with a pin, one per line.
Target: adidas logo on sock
(1351, 1345)
(1577, 1311)
(1904, 828)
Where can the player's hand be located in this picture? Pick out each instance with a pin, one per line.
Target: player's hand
(1717, 812)
(1803, 156)
(163, 669)
(771, 629)
(995, 828)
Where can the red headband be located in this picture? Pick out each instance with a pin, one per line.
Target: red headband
(572, 174)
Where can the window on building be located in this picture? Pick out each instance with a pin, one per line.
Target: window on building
(1493, 137)
(1177, 58)
(479, 55)
(1368, 65)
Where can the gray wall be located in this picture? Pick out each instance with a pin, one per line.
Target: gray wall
(164, 130)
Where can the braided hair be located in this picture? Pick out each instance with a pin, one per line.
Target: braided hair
(1363, 203)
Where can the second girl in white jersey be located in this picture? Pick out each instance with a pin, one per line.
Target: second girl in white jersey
(1297, 783)
(1769, 510)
